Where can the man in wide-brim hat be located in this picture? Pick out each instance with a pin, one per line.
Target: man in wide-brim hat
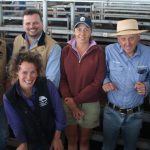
(128, 26)
(126, 84)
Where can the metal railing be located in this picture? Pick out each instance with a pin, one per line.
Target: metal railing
(58, 20)
(58, 16)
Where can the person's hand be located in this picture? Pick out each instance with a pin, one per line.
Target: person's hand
(22, 146)
(140, 87)
(76, 112)
(109, 87)
(57, 142)
(70, 102)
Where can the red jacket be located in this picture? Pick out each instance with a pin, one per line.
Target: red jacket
(82, 79)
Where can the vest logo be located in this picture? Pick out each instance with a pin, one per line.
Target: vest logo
(82, 19)
(43, 101)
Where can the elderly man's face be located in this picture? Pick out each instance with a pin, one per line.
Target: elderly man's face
(128, 43)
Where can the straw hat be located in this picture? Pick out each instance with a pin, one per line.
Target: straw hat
(128, 26)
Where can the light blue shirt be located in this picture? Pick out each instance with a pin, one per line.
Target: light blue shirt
(124, 72)
(53, 65)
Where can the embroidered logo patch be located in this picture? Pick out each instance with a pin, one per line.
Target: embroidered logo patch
(82, 19)
(43, 101)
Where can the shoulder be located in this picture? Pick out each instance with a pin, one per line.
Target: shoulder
(51, 87)
(144, 50)
(41, 81)
(144, 47)
(52, 42)
(49, 39)
(99, 48)
(20, 36)
(50, 83)
(112, 47)
(11, 92)
(66, 48)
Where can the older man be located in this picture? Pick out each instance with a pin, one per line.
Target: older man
(127, 83)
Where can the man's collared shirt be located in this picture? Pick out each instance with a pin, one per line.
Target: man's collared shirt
(124, 72)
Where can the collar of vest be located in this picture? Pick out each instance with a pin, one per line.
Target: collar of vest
(41, 40)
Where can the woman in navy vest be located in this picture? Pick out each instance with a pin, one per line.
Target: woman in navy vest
(33, 107)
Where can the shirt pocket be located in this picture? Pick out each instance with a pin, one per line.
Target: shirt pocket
(115, 66)
(142, 72)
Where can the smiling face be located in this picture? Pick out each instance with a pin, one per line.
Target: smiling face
(129, 43)
(27, 74)
(32, 25)
(82, 33)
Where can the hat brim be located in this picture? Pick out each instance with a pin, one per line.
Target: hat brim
(81, 23)
(128, 32)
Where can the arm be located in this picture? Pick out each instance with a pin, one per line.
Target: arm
(143, 88)
(109, 87)
(147, 84)
(60, 118)
(14, 121)
(64, 87)
(53, 65)
(107, 84)
(22, 146)
(140, 87)
(76, 112)
(57, 142)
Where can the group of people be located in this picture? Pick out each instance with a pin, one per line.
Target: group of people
(54, 91)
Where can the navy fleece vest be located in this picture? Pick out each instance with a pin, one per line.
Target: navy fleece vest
(39, 124)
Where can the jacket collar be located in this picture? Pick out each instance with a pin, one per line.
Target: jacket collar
(41, 40)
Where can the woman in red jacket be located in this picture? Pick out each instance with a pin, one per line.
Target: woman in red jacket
(82, 74)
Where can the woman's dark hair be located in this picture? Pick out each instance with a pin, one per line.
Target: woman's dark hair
(25, 56)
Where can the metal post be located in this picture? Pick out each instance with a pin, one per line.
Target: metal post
(45, 22)
(72, 6)
(1, 14)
